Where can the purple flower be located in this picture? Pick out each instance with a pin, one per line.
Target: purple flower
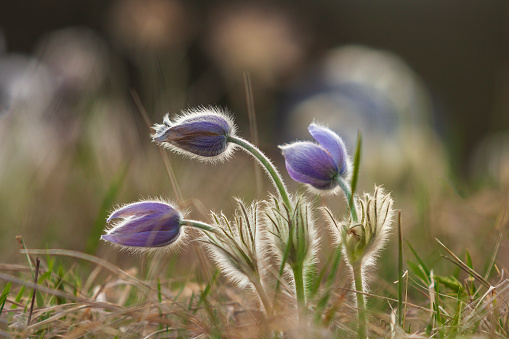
(319, 165)
(201, 133)
(145, 224)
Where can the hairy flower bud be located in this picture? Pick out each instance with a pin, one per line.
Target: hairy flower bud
(363, 239)
(319, 165)
(145, 224)
(200, 133)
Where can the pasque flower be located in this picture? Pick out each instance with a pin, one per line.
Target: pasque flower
(319, 165)
(200, 133)
(145, 224)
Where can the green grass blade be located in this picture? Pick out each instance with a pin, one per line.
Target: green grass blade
(464, 266)
(356, 165)
(107, 203)
(400, 272)
(469, 260)
(3, 297)
(19, 296)
(493, 257)
(421, 263)
(418, 271)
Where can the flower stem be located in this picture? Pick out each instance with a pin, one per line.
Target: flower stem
(299, 287)
(361, 303)
(198, 224)
(267, 164)
(348, 195)
(263, 296)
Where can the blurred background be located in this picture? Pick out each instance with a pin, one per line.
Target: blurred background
(425, 82)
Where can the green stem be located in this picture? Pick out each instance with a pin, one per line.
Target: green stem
(400, 272)
(361, 303)
(267, 164)
(263, 296)
(348, 195)
(299, 288)
(198, 224)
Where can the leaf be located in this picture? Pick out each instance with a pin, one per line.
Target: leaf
(107, 203)
(469, 260)
(356, 166)
(464, 266)
(418, 271)
(421, 263)
(3, 297)
(450, 282)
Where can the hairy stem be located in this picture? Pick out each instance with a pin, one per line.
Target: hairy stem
(263, 296)
(198, 224)
(348, 195)
(361, 303)
(299, 287)
(267, 164)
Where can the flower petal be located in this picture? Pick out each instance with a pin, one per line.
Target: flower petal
(331, 142)
(220, 124)
(309, 163)
(140, 208)
(305, 179)
(151, 222)
(144, 239)
(202, 138)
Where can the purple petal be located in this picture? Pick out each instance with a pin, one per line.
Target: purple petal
(222, 126)
(305, 179)
(309, 163)
(140, 208)
(332, 143)
(144, 239)
(201, 138)
(148, 223)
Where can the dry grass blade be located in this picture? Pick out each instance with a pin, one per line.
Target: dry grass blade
(93, 259)
(464, 266)
(164, 156)
(38, 262)
(43, 289)
(387, 298)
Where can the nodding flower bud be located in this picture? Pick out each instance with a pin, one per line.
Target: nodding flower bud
(364, 239)
(319, 165)
(145, 225)
(200, 133)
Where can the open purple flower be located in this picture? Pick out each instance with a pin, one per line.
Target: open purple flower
(319, 165)
(145, 224)
(201, 133)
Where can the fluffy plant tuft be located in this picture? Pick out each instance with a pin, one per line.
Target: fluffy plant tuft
(234, 248)
(293, 241)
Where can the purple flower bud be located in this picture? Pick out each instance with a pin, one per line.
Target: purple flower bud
(318, 165)
(145, 224)
(201, 133)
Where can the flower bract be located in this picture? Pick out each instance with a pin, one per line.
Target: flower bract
(368, 236)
